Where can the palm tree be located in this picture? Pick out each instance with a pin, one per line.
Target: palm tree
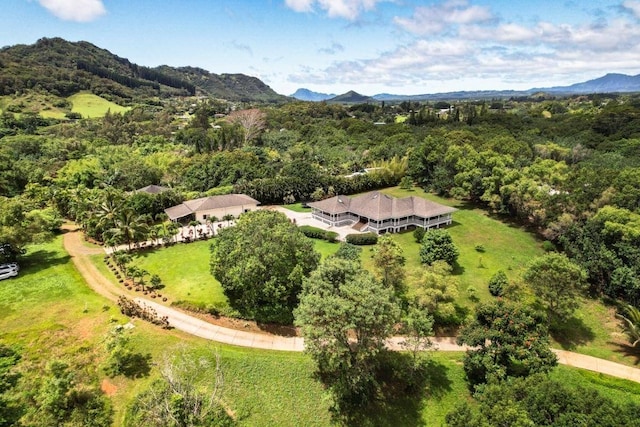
(631, 318)
(210, 221)
(228, 218)
(130, 228)
(122, 260)
(107, 212)
(154, 233)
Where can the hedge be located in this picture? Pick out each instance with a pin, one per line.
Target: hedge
(318, 233)
(362, 239)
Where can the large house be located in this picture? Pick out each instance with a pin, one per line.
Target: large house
(381, 213)
(213, 206)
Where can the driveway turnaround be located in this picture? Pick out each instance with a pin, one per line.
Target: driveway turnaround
(189, 324)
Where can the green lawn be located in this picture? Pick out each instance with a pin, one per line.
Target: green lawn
(594, 330)
(506, 247)
(325, 248)
(90, 105)
(184, 270)
(48, 312)
(297, 207)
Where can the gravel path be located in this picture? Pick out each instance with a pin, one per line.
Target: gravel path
(73, 244)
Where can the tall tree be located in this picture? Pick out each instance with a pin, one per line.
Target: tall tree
(557, 282)
(389, 263)
(129, 228)
(508, 340)
(261, 263)
(436, 292)
(541, 401)
(182, 396)
(437, 245)
(252, 122)
(346, 315)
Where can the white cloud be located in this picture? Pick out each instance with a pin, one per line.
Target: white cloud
(348, 9)
(75, 10)
(300, 5)
(505, 54)
(333, 49)
(633, 6)
(435, 19)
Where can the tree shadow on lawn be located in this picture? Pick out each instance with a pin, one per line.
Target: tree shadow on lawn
(628, 351)
(137, 365)
(457, 270)
(571, 333)
(35, 262)
(403, 393)
(453, 225)
(464, 205)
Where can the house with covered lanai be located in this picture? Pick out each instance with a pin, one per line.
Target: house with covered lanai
(381, 213)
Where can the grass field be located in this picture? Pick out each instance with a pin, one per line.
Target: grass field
(47, 106)
(90, 105)
(594, 330)
(49, 313)
(506, 247)
(184, 270)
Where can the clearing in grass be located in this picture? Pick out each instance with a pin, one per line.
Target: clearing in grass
(90, 105)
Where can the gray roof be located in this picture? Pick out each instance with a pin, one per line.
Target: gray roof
(379, 206)
(209, 203)
(152, 189)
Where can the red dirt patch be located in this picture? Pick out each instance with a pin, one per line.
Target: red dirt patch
(108, 387)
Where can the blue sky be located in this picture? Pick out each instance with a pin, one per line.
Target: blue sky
(371, 46)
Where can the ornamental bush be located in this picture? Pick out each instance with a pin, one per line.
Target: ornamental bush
(497, 283)
(437, 245)
(318, 233)
(362, 239)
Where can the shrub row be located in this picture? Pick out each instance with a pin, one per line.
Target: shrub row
(362, 239)
(318, 233)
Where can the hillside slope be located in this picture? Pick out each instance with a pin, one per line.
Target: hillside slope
(64, 68)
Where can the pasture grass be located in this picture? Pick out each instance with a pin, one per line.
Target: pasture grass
(619, 390)
(90, 105)
(47, 105)
(594, 330)
(48, 312)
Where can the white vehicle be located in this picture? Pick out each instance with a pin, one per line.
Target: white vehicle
(9, 270)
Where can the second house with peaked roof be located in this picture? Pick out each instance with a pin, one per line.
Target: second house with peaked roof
(215, 206)
(381, 213)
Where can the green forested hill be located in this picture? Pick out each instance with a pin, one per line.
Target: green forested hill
(238, 87)
(64, 68)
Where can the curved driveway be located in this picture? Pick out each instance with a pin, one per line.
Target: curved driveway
(73, 244)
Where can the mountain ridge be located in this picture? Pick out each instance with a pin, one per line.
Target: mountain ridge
(64, 68)
(609, 83)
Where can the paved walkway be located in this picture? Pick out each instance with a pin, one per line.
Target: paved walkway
(305, 218)
(191, 325)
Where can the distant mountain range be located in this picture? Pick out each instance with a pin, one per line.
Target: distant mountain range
(610, 83)
(64, 68)
(308, 95)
